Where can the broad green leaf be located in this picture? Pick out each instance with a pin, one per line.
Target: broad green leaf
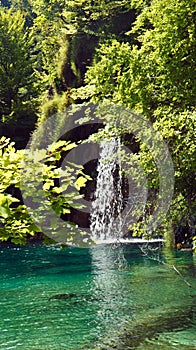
(80, 182)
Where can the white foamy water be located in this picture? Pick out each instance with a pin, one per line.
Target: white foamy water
(106, 218)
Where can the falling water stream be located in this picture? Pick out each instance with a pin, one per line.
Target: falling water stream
(106, 216)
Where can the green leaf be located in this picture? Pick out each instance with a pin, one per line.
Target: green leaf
(66, 211)
(80, 182)
(61, 144)
(47, 185)
(5, 202)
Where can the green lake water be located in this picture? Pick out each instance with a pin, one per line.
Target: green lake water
(144, 305)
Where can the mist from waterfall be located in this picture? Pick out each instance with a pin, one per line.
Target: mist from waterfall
(106, 215)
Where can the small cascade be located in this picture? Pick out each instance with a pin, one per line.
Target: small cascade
(106, 216)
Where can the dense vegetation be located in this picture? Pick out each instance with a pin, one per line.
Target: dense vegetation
(138, 54)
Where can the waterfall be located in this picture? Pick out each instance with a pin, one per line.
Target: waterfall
(106, 215)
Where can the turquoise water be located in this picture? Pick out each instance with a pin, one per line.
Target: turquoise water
(145, 305)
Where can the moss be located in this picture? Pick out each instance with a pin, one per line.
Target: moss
(66, 71)
(52, 106)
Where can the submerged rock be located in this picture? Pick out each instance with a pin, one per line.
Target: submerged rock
(66, 296)
(69, 296)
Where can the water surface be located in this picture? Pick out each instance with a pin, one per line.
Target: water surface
(144, 305)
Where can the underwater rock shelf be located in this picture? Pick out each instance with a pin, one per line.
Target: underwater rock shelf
(148, 326)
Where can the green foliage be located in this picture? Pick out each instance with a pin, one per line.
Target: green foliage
(160, 71)
(16, 72)
(15, 222)
(110, 72)
(59, 40)
(92, 18)
(168, 51)
(156, 77)
(63, 29)
(19, 87)
(45, 48)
